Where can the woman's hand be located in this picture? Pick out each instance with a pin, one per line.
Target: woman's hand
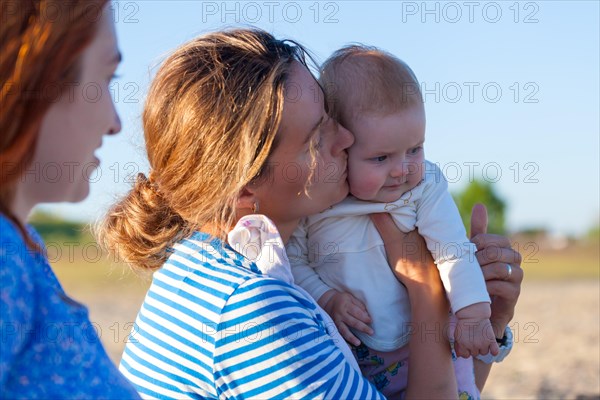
(501, 267)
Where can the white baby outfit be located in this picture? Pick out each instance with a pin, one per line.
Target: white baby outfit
(340, 248)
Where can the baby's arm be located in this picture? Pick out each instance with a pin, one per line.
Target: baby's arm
(474, 334)
(345, 310)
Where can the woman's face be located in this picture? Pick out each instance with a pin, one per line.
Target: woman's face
(74, 125)
(281, 191)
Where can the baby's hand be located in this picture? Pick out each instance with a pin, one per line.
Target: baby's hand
(347, 312)
(474, 334)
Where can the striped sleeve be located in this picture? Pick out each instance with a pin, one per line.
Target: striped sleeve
(270, 343)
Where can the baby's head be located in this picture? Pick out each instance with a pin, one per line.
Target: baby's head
(377, 97)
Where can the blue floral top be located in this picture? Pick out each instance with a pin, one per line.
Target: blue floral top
(48, 346)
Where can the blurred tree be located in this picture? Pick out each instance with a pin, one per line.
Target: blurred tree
(481, 192)
(594, 234)
(52, 227)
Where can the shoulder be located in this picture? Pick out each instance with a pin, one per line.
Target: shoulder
(262, 295)
(212, 259)
(432, 174)
(199, 277)
(219, 280)
(18, 285)
(13, 247)
(434, 182)
(17, 262)
(11, 240)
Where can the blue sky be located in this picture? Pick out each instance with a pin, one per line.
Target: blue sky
(511, 88)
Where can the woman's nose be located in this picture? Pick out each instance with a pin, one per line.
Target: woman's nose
(116, 126)
(344, 139)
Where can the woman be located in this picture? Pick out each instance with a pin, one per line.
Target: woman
(49, 50)
(235, 125)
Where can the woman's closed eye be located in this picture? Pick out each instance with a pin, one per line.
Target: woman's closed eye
(324, 130)
(316, 142)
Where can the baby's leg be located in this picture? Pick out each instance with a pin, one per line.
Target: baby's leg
(465, 378)
(387, 371)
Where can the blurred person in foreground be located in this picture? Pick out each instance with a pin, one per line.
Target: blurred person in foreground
(50, 51)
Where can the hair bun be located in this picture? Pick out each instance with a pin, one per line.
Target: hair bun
(141, 227)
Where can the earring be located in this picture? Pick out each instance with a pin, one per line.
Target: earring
(255, 207)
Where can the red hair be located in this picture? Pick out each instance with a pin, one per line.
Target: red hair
(41, 43)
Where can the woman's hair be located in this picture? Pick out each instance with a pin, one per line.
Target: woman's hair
(41, 42)
(210, 122)
(364, 79)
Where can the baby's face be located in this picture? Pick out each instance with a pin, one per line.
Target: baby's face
(387, 157)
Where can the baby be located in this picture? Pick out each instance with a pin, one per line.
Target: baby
(338, 256)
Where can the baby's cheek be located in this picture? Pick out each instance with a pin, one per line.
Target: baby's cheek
(421, 171)
(356, 183)
(417, 167)
(354, 177)
(353, 173)
(363, 185)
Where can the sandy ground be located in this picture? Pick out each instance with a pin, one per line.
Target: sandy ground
(556, 354)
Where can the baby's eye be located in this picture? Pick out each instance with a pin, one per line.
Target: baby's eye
(380, 158)
(415, 150)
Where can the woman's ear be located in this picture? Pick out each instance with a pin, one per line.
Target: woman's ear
(247, 200)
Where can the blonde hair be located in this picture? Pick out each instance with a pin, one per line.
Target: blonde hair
(210, 122)
(361, 79)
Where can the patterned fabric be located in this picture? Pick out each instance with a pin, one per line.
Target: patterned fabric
(388, 371)
(49, 348)
(213, 326)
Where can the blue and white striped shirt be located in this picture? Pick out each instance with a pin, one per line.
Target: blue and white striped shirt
(212, 326)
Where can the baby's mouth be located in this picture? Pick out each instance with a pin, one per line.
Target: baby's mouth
(396, 185)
